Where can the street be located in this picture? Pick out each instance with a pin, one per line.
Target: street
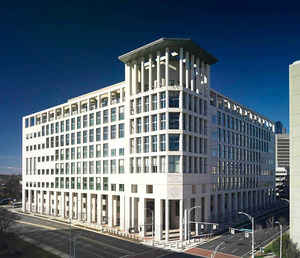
(88, 245)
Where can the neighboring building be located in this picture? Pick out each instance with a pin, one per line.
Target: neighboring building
(278, 127)
(282, 148)
(294, 77)
(160, 141)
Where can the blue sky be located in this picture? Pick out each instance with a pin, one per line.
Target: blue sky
(51, 51)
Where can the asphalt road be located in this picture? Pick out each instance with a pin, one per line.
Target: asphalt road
(239, 245)
(88, 244)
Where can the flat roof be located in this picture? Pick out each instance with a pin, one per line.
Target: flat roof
(157, 45)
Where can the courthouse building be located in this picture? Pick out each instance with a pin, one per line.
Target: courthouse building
(161, 141)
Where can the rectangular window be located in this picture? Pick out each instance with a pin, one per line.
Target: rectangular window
(138, 105)
(162, 142)
(113, 166)
(154, 122)
(98, 134)
(98, 118)
(91, 167)
(98, 167)
(91, 136)
(105, 150)
(78, 152)
(174, 120)
(146, 165)
(121, 113)
(113, 132)
(173, 99)
(85, 152)
(174, 166)
(121, 131)
(162, 121)
(85, 121)
(162, 101)
(154, 143)
(113, 114)
(146, 124)
(139, 125)
(121, 166)
(146, 103)
(98, 150)
(92, 119)
(139, 145)
(154, 102)
(85, 136)
(73, 124)
(78, 137)
(146, 144)
(154, 164)
(105, 133)
(105, 116)
(105, 166)
(91, 151)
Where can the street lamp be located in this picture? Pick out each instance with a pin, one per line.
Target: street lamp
(189, 219)
(216, 249)
(252, 222)
(70, 238)
(280, 226)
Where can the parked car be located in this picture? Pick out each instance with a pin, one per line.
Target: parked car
(5, 201)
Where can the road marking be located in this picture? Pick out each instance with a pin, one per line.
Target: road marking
(235, 250)
(36, 225)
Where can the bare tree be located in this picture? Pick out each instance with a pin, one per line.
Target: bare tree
(6, 219)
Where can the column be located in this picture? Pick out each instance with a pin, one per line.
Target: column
(55, 203)
(133, 212)
(93, 219)
(216, 207)
(70, 205)
(150, 72)
(158, 218)
(24, 202)
(202, 72)
(141, 216)
(36, 203)
(158, 70)
(187, 204)
(88, 209)
(167, 67)
(134, 79)
(181, 67)
(127, 211)
(110, 210)
(166, 220)
(79, 207)
(122, 213)
(187, 63)
(142, 75)
(62, 204)
(207, 212)
(99, 209)
(229, 204)
(115, 215)
(76, 206)
(30, 200)
(181, 219)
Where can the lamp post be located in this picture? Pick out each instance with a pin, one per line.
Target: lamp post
(280, 226)
(252, 222)
(189, 218)
(70, 238)
(216, 249)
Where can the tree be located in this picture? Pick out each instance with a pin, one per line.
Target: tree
(13, 187)
(7, 218)
(289, 249)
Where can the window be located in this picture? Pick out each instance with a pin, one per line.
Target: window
(154, 101)
(98, 183)
(72, 138)
(105, 183)
(121, 188)
(78, 152)
(173, 120)
(138, 105)
(174, 164)
(84, 121)
(162, 99)
(154, 143)
(105, 116)
(121, 113)
(121, 152)
(105, 166)
(98, 167)
(113, 114)
(85, 136)
(149, 189)
(174, 142)
(138, 165)
(146, 165)
(162, 121)
(173, 99)
(78, 122)
(91, 151)
(91, 167)
(146, 144)
(105, 150)
(146, 124)
(113, 132)
(154, 122)
(78, 137)
(84, 152)
(162, 142)
(113, 166)
(121, 166)
(146, 103)
(154, 164)
(121, 131)
(91, 138)
(98, 118)
(134, 188)
(105, 133)
(139, 145)
(139, 125)
(98, 150)
(91, 119)
(98, 134)
(162, 164)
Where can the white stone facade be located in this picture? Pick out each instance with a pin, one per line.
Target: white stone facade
(162, 141)
(294, 77)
